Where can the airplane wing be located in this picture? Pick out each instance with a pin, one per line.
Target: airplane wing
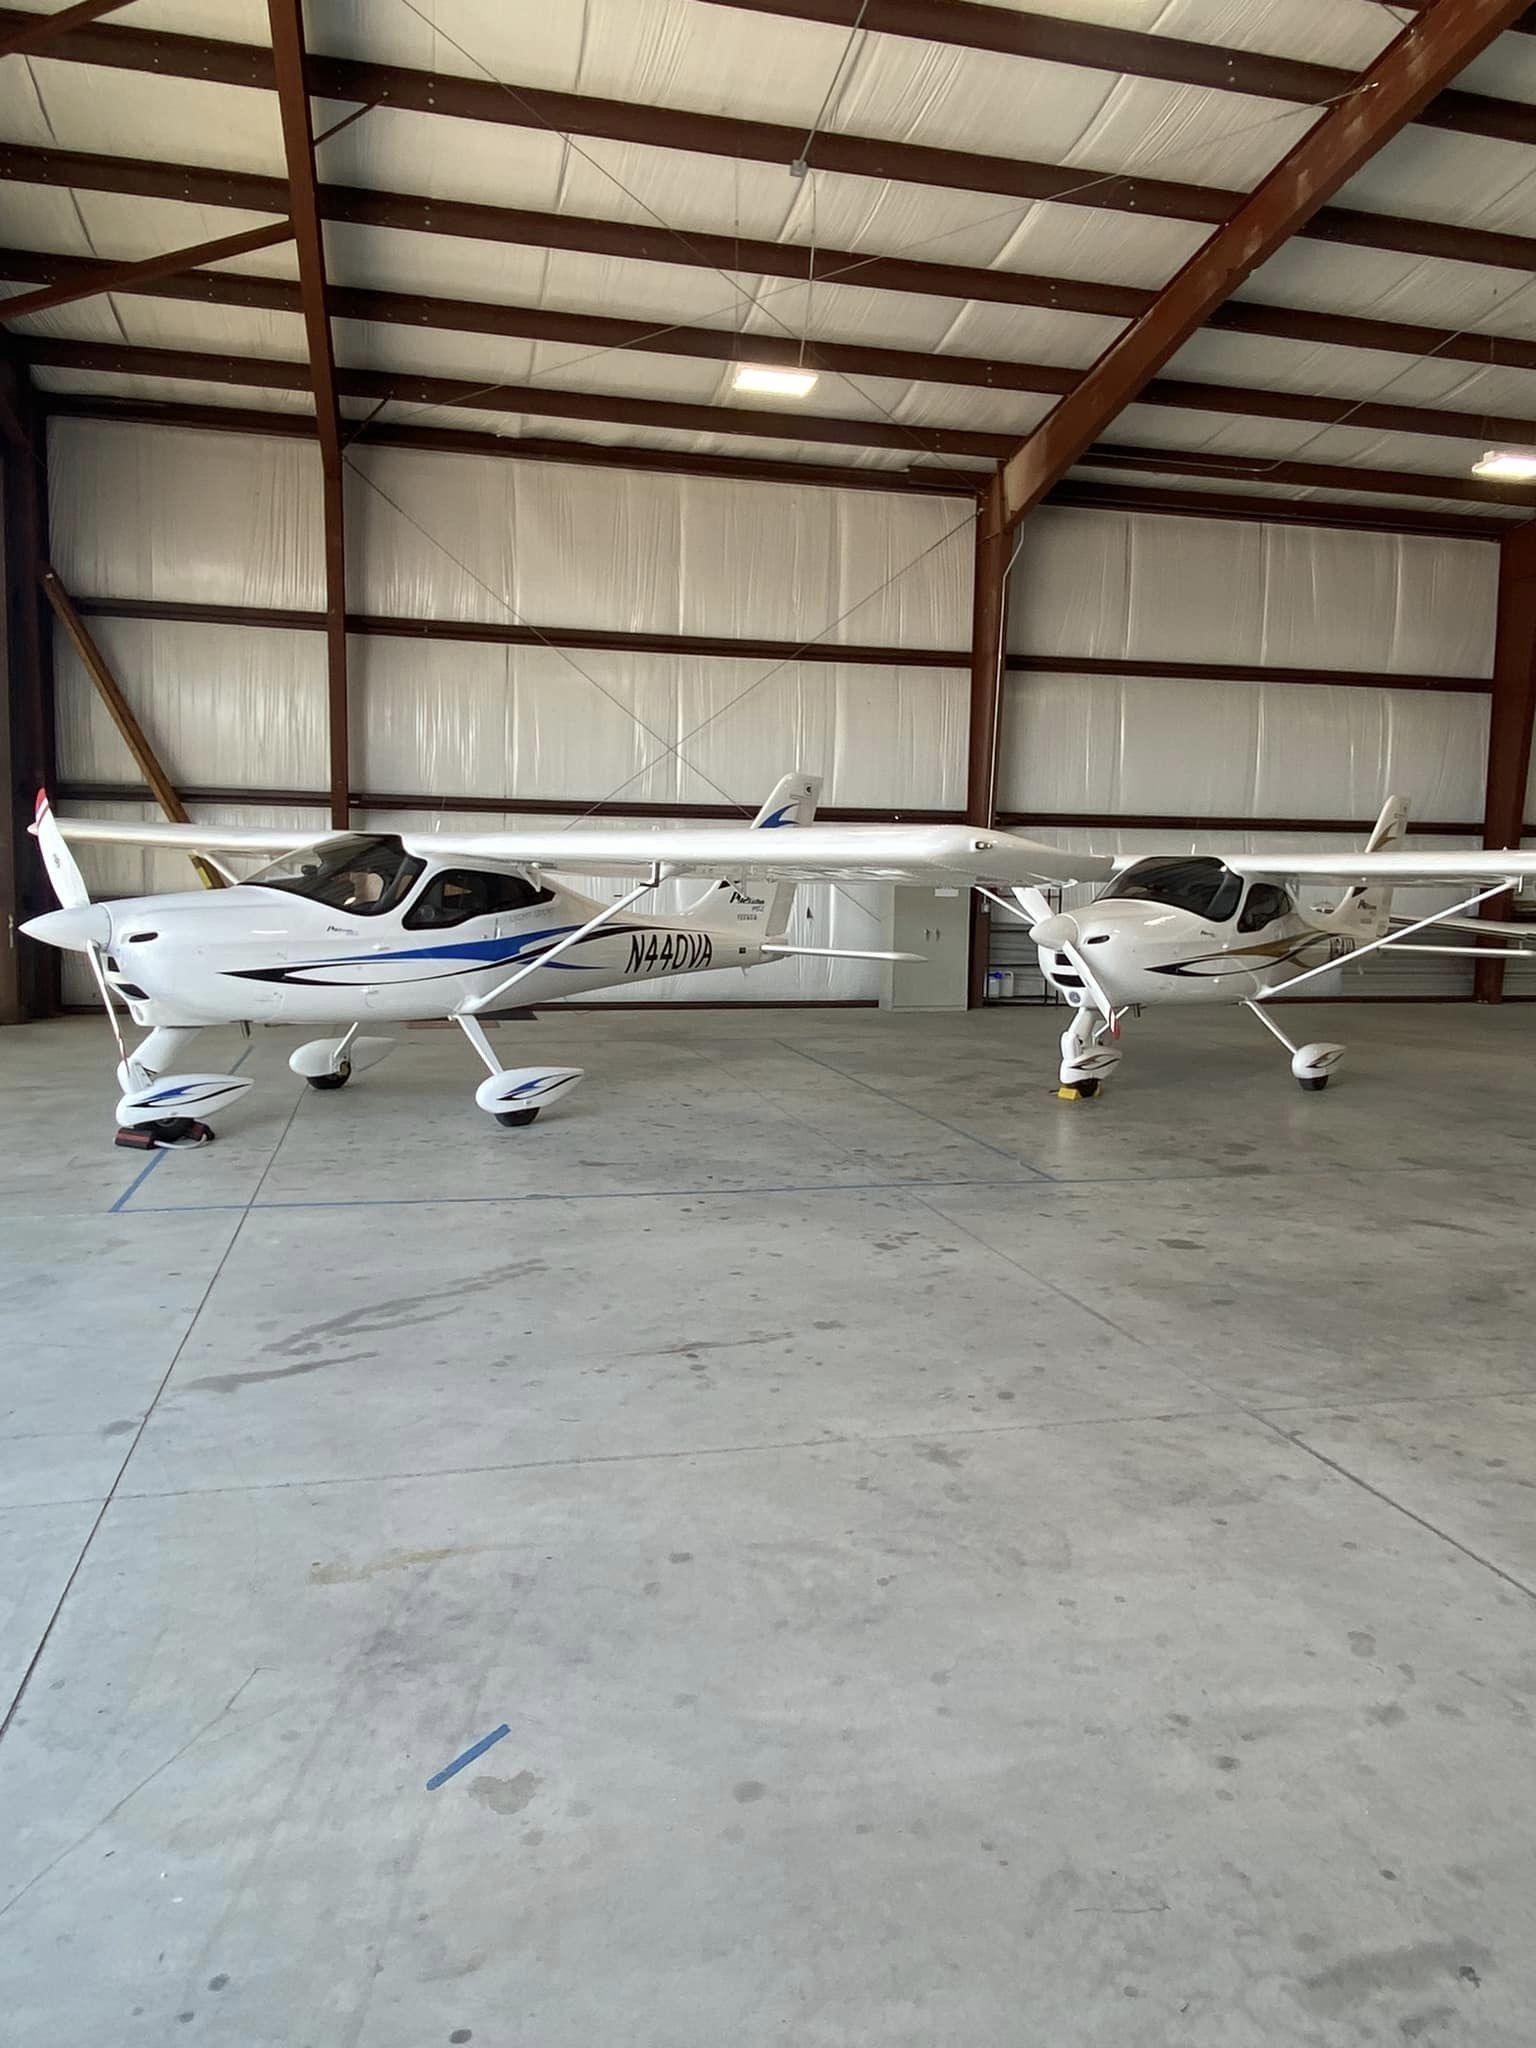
(1401, 868)
(270, 840)
(959, 856)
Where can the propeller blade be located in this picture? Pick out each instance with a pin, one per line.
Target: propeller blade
(1091, 983)
(93, 954)
(63, 871)
(69, 886)
(1035, 904)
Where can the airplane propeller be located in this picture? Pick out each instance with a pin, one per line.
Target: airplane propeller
(79, 924)
(1060, 931)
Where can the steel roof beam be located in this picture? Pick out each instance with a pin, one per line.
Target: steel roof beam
(727, 346)
(1355, 516)
(238, 419)
(789, 260)
(1252, 508)
(85, 278)
(1333, 476)
(1047, 38)
(536, 323)
(25, 32)
(1402, 81)
(415, 213)
(409, 388)
(513, 105)
(267, 373)
(1525, 26)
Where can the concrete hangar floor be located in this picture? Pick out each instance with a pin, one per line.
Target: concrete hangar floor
(950, 1567)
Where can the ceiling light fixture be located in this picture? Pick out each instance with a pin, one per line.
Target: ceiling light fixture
(782, 383)
(1508, 465)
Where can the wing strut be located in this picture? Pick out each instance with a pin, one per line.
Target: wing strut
(658, 875)
(1392, 938)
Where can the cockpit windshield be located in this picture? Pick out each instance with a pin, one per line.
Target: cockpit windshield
(1195, 882)
(363, 873)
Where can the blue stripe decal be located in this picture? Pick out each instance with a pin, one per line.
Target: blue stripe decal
(473, 952)
(493, 952)
(468, 1757)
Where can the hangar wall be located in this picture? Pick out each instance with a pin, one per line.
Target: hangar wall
(226, 520)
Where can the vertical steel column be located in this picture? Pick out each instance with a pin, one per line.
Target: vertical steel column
(1509, 722)
(29, 980)
(290, 64)
(989, 614)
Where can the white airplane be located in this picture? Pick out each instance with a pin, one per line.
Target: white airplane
(359, 929)
(1192, 928)
(366, 928)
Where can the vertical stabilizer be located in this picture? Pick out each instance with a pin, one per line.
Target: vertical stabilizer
(760, 910)
(1366, 909)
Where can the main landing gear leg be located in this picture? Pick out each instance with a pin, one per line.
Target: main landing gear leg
(1086, 1062)
(1311, 1064)
(514, 1095)
(155, 1110)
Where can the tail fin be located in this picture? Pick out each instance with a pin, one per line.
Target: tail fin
(1366, 909)
(761, 910)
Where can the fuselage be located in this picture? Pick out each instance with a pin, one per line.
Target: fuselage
(256, 954)
(1183, 930)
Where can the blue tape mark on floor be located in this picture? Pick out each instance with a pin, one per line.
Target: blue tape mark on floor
(468, 1757)
(145, 1171)
(136, 1183)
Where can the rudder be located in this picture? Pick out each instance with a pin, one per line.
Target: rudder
(1366, 909)
(760, 910)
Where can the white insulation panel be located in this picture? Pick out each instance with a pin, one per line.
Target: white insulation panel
(230, 707)
(484, 720)
(209, 518)
(482, 538)
(1120, 585)
(1176, 747)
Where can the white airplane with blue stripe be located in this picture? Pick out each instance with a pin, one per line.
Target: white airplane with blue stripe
(357, 930)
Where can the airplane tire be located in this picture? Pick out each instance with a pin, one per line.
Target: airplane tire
(1314, 1083)
(325, 1082)
(513, 1119)
(1086, 1088)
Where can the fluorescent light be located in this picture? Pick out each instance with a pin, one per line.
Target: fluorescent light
(1508, 465)
(783, 383)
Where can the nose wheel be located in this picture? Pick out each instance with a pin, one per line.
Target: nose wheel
(1086, 1060)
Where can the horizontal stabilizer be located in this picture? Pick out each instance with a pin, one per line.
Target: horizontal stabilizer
(1485, 927)
(838, 952)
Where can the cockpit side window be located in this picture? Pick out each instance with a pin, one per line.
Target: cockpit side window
(459, 894)
(1195, 882)
(364, 874)
(1265, 903)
